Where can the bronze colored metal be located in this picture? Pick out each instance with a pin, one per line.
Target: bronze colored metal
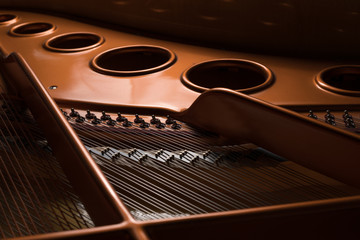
(295, 75)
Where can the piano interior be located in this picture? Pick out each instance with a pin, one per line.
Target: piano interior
(180, 119)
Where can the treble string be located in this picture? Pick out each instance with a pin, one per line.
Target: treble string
(192, 184)
(105, 127)
(198, 171)
(154, 175)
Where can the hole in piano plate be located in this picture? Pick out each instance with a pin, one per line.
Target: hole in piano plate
(32, 29)
(74, 42)
(340, 79)
(133, 60)
(7, 19)
(236, 74)
(168, 173)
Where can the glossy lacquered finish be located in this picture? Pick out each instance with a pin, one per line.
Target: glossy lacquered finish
(70, 71)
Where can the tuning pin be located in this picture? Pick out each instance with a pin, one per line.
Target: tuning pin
(89, 115)
(137, 119)
(349, 123)
(160, 125)
(347, 115)
(65, 114)
(120, 118)
(176, 125)
(154, 120)
(312, 115)
(328, 115)
(111, 122)
(105, 116)
(144, 124)
(127, 123)
(95, 120)
(330, 121)
(169, 120)
(80, 119)
(73, 113)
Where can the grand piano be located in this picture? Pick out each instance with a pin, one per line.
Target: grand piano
(155, 119)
